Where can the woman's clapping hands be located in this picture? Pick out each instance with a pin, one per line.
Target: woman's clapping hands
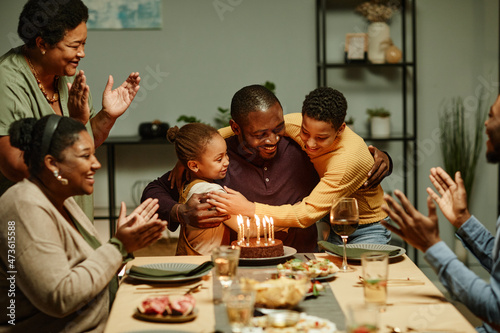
(141, 228)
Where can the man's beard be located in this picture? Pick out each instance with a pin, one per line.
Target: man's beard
(493, 157)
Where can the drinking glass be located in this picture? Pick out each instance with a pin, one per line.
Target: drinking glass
(362, 318)
(239, 300)
(344, 218)
(225, 259)
(375, 269)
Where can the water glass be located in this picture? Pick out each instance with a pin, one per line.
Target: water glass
(225, 259)
(362, 318)
(375, 271)
(239, 300)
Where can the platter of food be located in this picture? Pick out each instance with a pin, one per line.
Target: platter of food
(318, 269)
(167, 309)
(288, 252)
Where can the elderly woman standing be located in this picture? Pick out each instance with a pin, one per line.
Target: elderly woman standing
(64, 277)
(40, 78)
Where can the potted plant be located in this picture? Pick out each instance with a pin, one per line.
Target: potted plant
(380, 122)
(461, 144)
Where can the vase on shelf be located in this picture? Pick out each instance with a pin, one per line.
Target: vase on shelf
(379, 35)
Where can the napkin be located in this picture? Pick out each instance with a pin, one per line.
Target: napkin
(142, 271)
(351, 252)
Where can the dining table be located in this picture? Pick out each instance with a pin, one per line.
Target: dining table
(414, 304)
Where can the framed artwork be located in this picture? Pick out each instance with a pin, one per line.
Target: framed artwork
(124, 14)
(356, 46)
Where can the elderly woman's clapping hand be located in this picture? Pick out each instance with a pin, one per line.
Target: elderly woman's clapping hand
(141, 228)
(115, 102)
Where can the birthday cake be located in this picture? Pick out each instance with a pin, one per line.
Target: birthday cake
(261, 250)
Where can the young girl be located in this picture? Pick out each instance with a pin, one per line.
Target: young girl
(203, 152)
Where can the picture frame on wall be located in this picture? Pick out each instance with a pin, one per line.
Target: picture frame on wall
(124, 14)
(356, 47)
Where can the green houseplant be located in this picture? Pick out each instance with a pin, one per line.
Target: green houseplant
(461, 145)
(380, 122)
(461, 139)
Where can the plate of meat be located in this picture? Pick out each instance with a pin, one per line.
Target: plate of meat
(167, 309)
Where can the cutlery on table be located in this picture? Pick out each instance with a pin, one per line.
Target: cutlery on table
(172, 290)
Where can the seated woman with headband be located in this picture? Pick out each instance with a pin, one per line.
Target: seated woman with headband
(65, 275)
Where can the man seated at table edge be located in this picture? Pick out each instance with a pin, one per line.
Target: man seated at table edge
(422, 232)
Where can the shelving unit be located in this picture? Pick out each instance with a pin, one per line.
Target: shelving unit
(365, 84)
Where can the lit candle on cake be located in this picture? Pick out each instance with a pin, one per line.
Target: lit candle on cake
(264, 225)
(241, 230)
(257, 222)
(272, 230)
(248, 231)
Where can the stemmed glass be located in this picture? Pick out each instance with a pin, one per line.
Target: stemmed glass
(344, 218)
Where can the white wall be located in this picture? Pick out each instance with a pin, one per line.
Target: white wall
(205, 59)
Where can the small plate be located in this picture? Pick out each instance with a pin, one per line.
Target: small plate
(166, 319)
(179, 267)
(289, 251)
(372, 247)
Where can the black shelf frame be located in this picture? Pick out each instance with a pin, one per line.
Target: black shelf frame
(110, 144)
(407, 138)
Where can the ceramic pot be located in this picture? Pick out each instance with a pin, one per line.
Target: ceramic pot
(380, 127)
(393, 55)
(378, 41)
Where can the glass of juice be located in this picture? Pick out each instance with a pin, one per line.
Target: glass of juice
(375, 271)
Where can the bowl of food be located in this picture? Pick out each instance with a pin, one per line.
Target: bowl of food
(277, 289)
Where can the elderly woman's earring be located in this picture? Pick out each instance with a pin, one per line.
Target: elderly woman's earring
(62, 180)
(277, 137)
(43, 52)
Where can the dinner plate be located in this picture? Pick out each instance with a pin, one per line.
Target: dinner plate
(289, 251)
(176, 267)
(166, 319)
(372, 247)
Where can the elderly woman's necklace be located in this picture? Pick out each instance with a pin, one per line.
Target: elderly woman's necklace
(55, 97)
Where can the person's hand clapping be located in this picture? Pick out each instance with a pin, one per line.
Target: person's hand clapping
(417, 229)
(115, 102)
(453, 199)
(141, 228)
(78, 98)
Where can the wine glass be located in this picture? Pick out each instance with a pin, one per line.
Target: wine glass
(344, 218)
